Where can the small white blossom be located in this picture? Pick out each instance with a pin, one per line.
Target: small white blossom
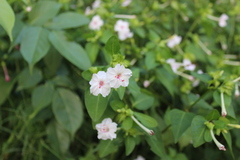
(96, 4)
(87, 10)
(139, 158)
(188, 65)
(28, 9)
(174, 65)
(174, 40)
(107, 129)
(121, 26)
(218, 144)
(99, 84)
(146, 83)
(124, 35)
(118, 76)
(126, 3)
(222, 22)
(96, 23)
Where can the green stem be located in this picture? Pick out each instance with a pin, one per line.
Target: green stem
(200, 98)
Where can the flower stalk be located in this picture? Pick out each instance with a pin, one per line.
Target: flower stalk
(218, 144)
(150, 132)
(189, 77)
(5, 70)
(224, 112)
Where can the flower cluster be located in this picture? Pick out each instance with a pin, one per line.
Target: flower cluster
(107, 129)
(122, 27)
(102, 82)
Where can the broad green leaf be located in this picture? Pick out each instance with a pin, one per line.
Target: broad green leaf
(42, 95)
(27, 79)
(68, 110)
(207, 136)
(121, 92)
(70, 50)
(96, 105)
(146, 120)
(198, 129)
(143, 101)
(112, 46)
(127, 123)
(106, 147)
(202, 77)
(62, 81)
(58, 137)
(150, 60)
(133, 87)
(5, 88)
(7, 17)
(116, 104)
(157, 146)
(228, 138)
(52, 60)
(129, 145)
(43, 11)
(35, 44)
(68, 20)
(166, 79)
(213, 115)
(92, 49)
(180, 121)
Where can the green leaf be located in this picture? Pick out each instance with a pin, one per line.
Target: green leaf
(27, 79)
(112, 46)
(133, 87)
(156, 144)
(58, 138)
(42, 95)
(43, 11)
(106, 147)
(146, 120)
(5, 88)
(198, 129)
(180, 121)
(150, 60)
(121, 92)
(7, 17)
(207, 136)
(116, 104)
(202, 77)
(129, 145)
(92, 49)
(166, 79)
(35, 44)
(143, 101)
(68, 110)
(228, 138)
(127, 123)
(213, 115)
(96, 105)
(68, 20)
(70, 50)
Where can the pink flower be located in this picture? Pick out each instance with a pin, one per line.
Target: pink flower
(173, 41)
(122, 27)
(125, 3)
(222, 22)
(188, 65)
(107, 129)
(118, 76)
(99, 84)
(96, 4)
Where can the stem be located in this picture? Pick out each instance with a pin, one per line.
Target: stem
(213, 17)
(150, 132)
(205, 49)
(237, 79)
(189, 77)
(218, 144)
(231, 63)
(125, 16)
(198, 100)
(230, 56)
(224, 112)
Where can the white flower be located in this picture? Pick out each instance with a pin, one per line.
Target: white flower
(222, 20)
(174, 65)
(173, 41)
(121, 26)
(28, 9)
(99, 84)
(126, 3)
(106, 129)
(146, 83)
(124, 35)
(118, 76)
(139, 158)
(96, 23)
(87, 10)
(96, 4)
(188, 65)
